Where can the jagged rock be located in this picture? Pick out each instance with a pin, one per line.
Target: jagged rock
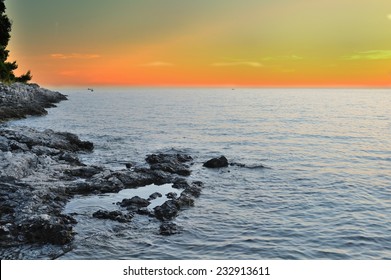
(63, 141)
(194, 189)
(145, 211)
(42, 150)
(135, 201)
(216, 162)
(154, 196)
(48, 229)
(113, 215)
(172, 163)
(48, 164)
(84, 172)
(184, 200)
(180, 183)
(70, 158)
(169, 228)
(17, 165)
(167, 211)
(142, 177)
(171, 195)
(20, 100)
(85, 188)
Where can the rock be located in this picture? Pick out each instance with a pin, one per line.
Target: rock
(135, 201)
(70, 158)
(41, 170)
(17, 165)
(48, 229)
(169, 228)
(180, 183)
(97, 187)
(172, 195)
(154, 196)
(84, 172)
(62, 141)
(142, 177)
(184, 200)
(172, 163)
(167, 211)
(20, 100)
(113, 215)
(194, 189)
(145, 211)
(216, 162)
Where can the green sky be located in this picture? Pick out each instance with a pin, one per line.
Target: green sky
(204, 42)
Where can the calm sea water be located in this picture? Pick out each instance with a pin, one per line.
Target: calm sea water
(325, 194)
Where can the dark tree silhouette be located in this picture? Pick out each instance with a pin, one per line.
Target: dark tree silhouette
(7, 68)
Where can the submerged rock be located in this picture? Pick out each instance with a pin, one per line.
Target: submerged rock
(216, 162)
(169, 228)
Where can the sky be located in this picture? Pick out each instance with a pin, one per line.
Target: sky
(250, 43)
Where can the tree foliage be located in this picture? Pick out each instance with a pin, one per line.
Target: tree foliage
(7, 68)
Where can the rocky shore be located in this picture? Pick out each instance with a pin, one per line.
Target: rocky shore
(40, 171)
(21, 100)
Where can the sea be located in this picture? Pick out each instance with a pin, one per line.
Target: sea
(311, 177)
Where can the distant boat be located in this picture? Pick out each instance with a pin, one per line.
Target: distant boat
(90, 89)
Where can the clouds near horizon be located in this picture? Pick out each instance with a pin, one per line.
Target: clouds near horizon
(284, 42)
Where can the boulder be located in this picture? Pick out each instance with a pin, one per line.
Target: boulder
(167, 211)
(216, 162)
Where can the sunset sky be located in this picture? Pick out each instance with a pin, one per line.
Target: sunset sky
(203, 42)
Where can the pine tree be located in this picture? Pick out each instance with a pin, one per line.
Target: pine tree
(7, 68)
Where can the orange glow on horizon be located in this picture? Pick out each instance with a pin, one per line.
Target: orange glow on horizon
(295, 43)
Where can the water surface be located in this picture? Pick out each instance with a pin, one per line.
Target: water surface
(325, 194)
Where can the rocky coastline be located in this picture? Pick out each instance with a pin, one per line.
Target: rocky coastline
(20, 100)
(40, 171)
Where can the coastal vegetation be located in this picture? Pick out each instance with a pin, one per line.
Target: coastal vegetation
(7, 68)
